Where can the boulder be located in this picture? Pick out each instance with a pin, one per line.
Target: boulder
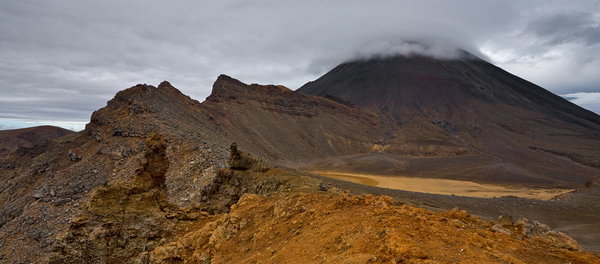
(239, 160)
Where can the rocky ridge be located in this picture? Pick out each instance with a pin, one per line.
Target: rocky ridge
(125, 220)
(40, 193)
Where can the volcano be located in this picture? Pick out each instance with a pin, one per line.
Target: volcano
(464, 118)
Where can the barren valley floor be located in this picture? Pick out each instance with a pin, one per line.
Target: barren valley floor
(444, 186)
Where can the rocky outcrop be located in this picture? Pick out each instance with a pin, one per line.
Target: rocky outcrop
(543, 232)
(245, 161)
(124, 218)
(248, 174)
(155, 164)
(534, 229)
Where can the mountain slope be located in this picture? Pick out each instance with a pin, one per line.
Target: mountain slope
(278, 123)
(11, 140)
(507, 129)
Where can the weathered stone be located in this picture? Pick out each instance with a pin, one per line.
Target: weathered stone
(244, 161)
(536, 229)
(323, 187)
(73, 156)
(504, 220)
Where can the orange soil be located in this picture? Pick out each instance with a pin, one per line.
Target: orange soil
(330, 228)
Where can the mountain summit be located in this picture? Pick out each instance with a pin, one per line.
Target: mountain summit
(404, 83)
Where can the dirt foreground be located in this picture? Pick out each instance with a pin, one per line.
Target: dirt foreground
(443, 186)
(333, 228)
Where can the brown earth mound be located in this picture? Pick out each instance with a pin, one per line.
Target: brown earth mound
(27, 138)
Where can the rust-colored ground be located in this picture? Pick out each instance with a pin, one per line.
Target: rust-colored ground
(444, 186)
(332, 228)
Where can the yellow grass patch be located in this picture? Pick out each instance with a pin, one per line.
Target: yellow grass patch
(443, 186)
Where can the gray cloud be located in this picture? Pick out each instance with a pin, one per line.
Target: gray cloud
(60, 60)
(555, 44)
(560, 28)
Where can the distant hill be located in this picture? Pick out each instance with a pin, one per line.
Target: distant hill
(11, 140)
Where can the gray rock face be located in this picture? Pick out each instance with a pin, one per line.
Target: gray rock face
(531, 228)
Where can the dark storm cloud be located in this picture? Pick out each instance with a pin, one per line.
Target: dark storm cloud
(60, 60)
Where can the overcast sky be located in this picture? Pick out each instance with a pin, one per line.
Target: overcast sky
(61, 60)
